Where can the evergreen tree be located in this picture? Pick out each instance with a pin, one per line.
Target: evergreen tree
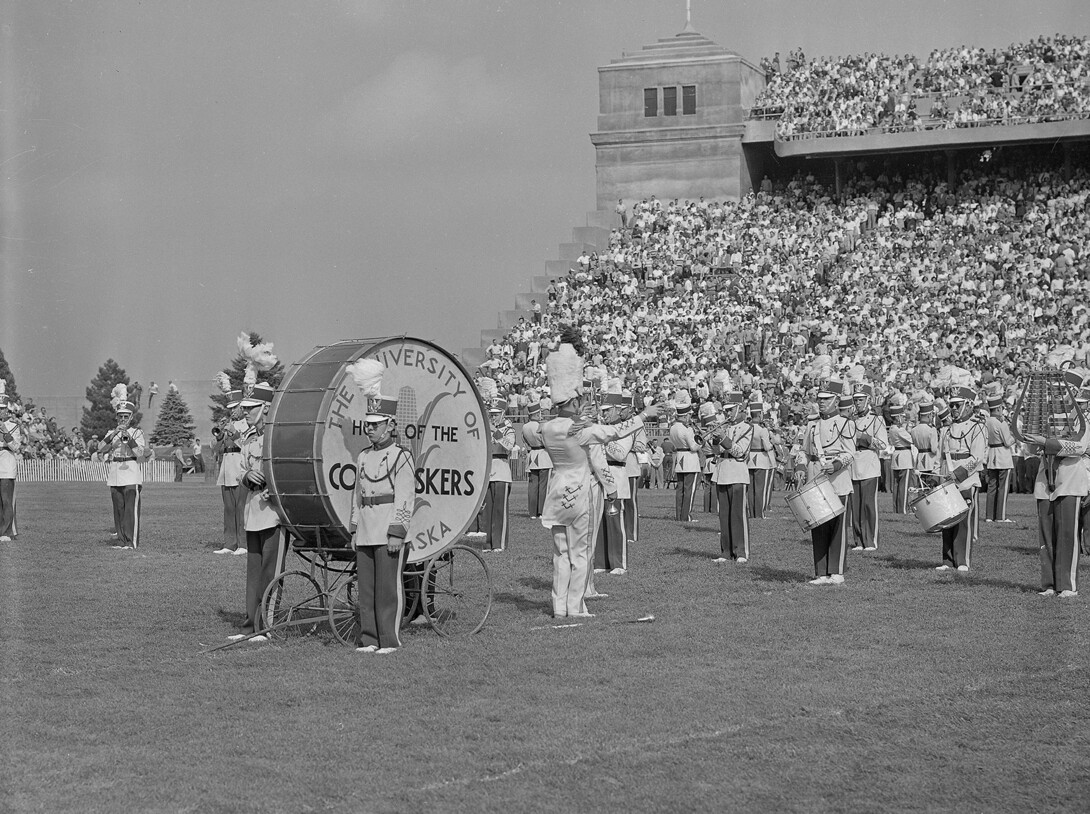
(175, 424)
(8, 377)
(99, 418)
(235, 373)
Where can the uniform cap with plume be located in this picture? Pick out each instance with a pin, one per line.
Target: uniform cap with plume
(258, 358)
(367, 374)
(119, 394)
(488, 389)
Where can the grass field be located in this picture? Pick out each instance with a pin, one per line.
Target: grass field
(903, 690)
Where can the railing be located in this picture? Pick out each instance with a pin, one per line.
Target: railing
(47, 470)
(927, 124)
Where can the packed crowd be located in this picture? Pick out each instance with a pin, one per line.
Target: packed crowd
(902, 277)
(1045, 79)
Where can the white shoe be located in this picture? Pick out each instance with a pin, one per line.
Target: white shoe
(1046, 592)
(987, 520)
(870, 548)
(1004, 521)
(618, 572)
(259, 638)
(963, 568)
(1067, 594)
(223, 551)
(856, 548)
(944, 568)
(113, 535)
(819, 581)
(836, 579)
(121, 547)
(371, 648)
(382, 651)
(5, 539)
(580, 615)
(720, 559)
(599, 570)
(234, 637)
(742, 559)
(596, 596)
(239, 552)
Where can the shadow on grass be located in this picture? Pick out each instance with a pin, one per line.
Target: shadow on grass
(1026, 550)
(766, 573)
(537, 583)
(689, 552)
(520, 601)
(908, 565)
(1007, 585)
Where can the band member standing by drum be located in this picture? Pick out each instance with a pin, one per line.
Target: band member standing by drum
(999, 461)
(611, 547)
(871, 440)
(900, 457)
(731, 478)
(925, 438)
(709, 455)
(634, 469)
(382, 509)
(265, 543)
(686, 457)
(229, 477)
(963, 447)
(538, 463)
(124, 449)
(493, 517)
(568, 505)
(828, 449)
(11, 439)
(761, 463)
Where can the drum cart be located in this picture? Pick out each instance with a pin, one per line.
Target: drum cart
(451, 590)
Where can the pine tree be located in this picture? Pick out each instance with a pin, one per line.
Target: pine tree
(174, 424)
(8, 377)
(235, 373)
(99, 418)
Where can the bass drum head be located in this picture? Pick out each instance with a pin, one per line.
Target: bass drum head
(316, 434)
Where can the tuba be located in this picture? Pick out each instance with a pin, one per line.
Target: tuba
(1047, 408)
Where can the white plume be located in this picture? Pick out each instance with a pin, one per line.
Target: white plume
(260, 356)
(488, 389)
(682, 398)
(223, 382)
(611, 386)
(367, 374)
(249, 378)
(119, 394)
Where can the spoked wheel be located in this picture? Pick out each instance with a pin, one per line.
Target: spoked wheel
(412, 577)
(344, 612)
(293, 606)
(457, 592)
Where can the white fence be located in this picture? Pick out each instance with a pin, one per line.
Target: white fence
(62, 469)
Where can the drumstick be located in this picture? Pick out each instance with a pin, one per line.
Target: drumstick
(645, 619)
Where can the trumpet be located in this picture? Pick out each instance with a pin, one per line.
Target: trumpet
(711, 431)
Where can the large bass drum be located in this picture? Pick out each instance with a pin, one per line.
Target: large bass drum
(314, 433)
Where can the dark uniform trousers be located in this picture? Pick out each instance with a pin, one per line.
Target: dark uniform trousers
(379, 575)
(830, 541)
(683, 495)
(1058, 521)
(711, 494)
(234, 514)
(1084, 518)
(760, 489)
(7, 507)
(864, 510)
(1032, 464)
(537, 486)
(631, 511)
(998, 481)
(611, 549)
(126, 502)
(733, 523)
(900, 490)
(492, 519)
(265, 553)
(957, 541)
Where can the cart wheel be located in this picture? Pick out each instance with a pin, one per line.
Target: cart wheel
(458, 591)
(344, 612)
(293, 606)
(412, 577)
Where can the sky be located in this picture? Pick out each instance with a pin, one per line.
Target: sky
(173, 173)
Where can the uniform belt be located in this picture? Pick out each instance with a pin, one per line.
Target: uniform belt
(902, 447)
(997, 446)
(499, 456)
(232, 449)
(377, 500)
(960, 456)
(122, 460)
(923, 449)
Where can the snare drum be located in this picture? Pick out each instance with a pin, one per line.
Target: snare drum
(314, 433)
(815, 503)
(940, 508)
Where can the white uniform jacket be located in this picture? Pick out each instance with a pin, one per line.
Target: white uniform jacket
(762, 452)
(686, 449)
(503, 441)
(385, 495)
(639, 447)
(617, 458)
(231, 470)
(902, 452)
(926, 440)
(828, 440)
(9, 448)
(963, 444)
(258, 513)
(123, 461)
(569, 484)
(733, 450)
(867, 462)
(537, 457)
(1000, 443)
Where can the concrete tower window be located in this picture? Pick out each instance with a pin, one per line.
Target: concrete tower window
(669, 101)
(650, 101)
(688, 100)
